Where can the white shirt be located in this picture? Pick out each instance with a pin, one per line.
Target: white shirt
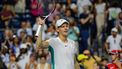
(63, 53)
(100, 8)
(82, 3)
(113, 12)
(23, 60)
(114, 43)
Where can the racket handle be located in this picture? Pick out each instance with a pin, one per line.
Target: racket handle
(38, 31)
(39, 28)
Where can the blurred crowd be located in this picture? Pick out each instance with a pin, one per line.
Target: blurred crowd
(95, 25)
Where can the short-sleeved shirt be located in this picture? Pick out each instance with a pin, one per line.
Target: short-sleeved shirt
(63, 55)
(85, 26)
(72, 33)
(114, 43)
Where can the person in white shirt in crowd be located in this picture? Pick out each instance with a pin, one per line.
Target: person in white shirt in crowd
(4, 55)
(81, 4)
(23, 57)
(43, 63)
(113, 41)
(51, 33)
(100, 8)
(15, 45)
(112, 12)
(25, 26)
(31, 64)
(62, 47)
(13, 64)
(29, 28)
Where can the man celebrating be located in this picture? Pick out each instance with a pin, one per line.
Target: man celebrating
(64, 49)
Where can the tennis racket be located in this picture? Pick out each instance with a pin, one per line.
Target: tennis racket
(48, 7)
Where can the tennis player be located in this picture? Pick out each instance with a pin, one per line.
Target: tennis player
(63, 49)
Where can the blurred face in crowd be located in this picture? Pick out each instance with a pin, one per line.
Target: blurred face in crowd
(32, 58)
(16, 40)
(12, 58)
(7, 7)
(114, 56)
(63, 29)
(22, 34)
(68, 13)
(8, 34)
(114, 33)
(57, 17)
(87, 53)
(43, 60)
(86, 9)
(58, 6)
(29, 39)
(104, 62)
(23, 25)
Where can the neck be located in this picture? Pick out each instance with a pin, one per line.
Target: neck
(63, 38)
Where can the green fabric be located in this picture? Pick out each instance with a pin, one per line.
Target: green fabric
(52, 57)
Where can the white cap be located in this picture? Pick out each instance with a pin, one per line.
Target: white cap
(23, 46)
(114, 30)
(60, 22)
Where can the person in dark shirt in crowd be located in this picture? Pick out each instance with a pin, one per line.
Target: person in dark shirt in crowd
(85, 23)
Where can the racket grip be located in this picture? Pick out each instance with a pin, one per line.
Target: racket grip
(38, 31)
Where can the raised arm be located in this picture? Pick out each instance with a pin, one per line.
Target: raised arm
(39, 41)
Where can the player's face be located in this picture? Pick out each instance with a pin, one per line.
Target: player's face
(63, 29)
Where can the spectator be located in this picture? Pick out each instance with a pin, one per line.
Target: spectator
(8, 37)
(51, 32)
(2, 64)
(119, 23)
(92, 60)
(113, 41)
(85, 21)
(113, 12)
(13, 64)
(74, 31)
(43, 64)
(115, 63)
(32, 62)
(100, 9)
(6, 15)
(23, 27)
(68, 14)
(16, 45)
(20, 7)
(29, 29)
(74, 9)
(81, 4)
(56, 12)
(5, 55)
(30, 44)
(36, 8)
(104, 62)
(23, 57)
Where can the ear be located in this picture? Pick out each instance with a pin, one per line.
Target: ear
(57, 29)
